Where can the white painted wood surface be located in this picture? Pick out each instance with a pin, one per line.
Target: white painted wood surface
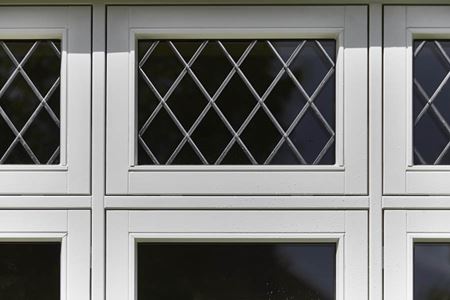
(71, 228)
(71, 24)
(402, 229)
(346, 23)
(406, 23)
(347, 228)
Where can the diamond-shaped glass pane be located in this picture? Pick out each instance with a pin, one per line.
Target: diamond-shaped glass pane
(431, 94)
(30, 101)
(236, 102)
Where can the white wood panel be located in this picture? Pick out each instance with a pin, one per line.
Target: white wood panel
(236, 17)
(394, 99)
(78, 255)
(117, 255)
(33, 221)
(236, 202)
(43, 202)
(218, 183)
(395, 250)
(117, 139)
(356, 257)
(237, 221)
(428, 221)
(355, 100)
(79, 100)
(427, 16)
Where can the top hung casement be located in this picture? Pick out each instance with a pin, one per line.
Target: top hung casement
(237, 100)
(45, 89)
(416, 80)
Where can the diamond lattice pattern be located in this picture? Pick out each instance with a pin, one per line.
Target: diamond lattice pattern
(431, 94)
(29, 101)
(236, 102)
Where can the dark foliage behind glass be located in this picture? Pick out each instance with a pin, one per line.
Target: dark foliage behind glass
(431, 121)
(41, 64)
(236, 271)
(160, 135)
(30, 271)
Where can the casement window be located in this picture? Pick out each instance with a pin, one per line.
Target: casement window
(45, 254)
(416, 254)
(416, 91)
(237, 100)
(223, 254)
(45, 100)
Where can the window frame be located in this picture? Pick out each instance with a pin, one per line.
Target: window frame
(127, 24)
(401, 230)
(70, 227)
(346, 228)
(71, 24)
(407, 23)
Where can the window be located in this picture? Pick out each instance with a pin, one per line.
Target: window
(416, 245)
(30, 270)
(223, 254)
(416, 87)
(268, 102)
(30, 102)
(45, 254)
(221, 105)
(236, 270)
(45, 100)
(431, 270)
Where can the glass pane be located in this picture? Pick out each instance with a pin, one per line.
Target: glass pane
(236, 271)
(236, 102)
(30, 101)
(431, 271)
(431, 92)
(30, 271)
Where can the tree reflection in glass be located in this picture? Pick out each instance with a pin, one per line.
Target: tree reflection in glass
(30, 271)
(198, 271)
(431, 271)
(30, 101)
(287, 75)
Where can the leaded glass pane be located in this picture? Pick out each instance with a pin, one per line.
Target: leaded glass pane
(236, 102)
(236, 271)
(30, 271)
(431, 271)
(30, 101)
(431, 94)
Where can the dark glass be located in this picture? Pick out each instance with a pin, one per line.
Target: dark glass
(211, 67)
(211, 136)
(236, 95)
(430, 134)
(236, 271)
(162, 136)
(431, 271)
(30, 271)
(162, 67)
(38, 126)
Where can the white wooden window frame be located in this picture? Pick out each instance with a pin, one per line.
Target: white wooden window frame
(72, 25)
(347, 228)
(69, 227)
(402, 25)
(347, 24)
(401, 230)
